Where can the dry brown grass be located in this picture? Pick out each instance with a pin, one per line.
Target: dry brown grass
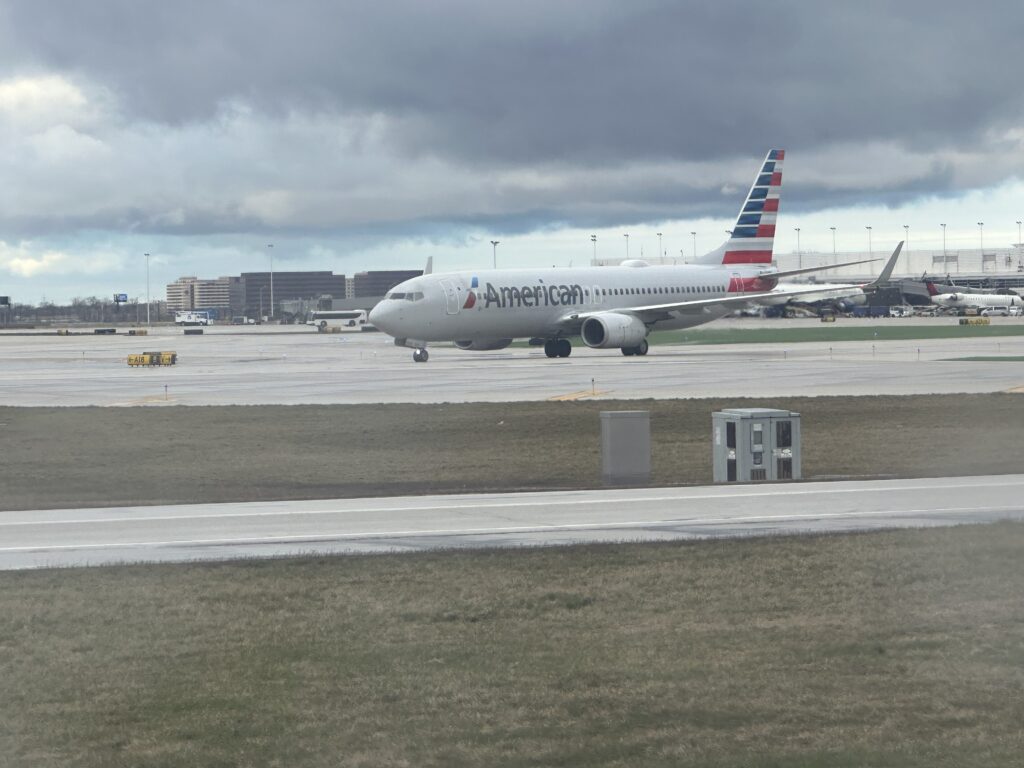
(56, 457)
(897, 648)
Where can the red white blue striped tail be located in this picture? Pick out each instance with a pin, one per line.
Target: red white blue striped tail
(754, 234)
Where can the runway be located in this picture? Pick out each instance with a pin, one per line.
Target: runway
(291, 365)
(205, 532)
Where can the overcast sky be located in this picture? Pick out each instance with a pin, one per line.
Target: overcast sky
(363, 135)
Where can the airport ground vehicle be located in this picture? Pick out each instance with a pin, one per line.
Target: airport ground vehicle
(192, 318)
(345, 319)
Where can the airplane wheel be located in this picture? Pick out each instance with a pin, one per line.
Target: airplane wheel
(420, 356)
(642, 349)
(628, 351)
(564, 348)
(551, 348)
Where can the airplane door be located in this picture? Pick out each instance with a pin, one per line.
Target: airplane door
(451, 297)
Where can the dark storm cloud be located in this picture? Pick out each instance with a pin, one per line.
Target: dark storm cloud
(409, 119)
(583, 81)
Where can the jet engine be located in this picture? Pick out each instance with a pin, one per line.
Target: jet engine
(609, 330)
(483, 345)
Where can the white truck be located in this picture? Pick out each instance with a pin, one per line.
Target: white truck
(192, 318)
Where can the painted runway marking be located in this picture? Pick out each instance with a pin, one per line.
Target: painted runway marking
(469, 504)
(554, 527)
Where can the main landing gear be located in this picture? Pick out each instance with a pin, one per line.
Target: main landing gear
(557, 348)
(639, 349)
(420, 355)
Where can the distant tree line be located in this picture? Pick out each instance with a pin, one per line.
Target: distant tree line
(90, 309)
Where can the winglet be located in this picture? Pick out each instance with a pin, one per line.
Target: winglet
(886, 273)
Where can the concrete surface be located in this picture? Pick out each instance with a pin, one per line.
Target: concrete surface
(41, 538)
(289, 364)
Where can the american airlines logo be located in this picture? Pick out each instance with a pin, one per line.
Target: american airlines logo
(532, 296)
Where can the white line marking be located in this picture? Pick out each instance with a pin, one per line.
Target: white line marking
(513, 529)
(468, 504)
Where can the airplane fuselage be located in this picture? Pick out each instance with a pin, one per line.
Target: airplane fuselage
(533, 303)
(976, 300)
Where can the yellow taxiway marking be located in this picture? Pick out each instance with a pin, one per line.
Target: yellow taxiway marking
(579, 395)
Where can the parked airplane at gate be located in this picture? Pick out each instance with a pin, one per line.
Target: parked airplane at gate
(979, 301)
(609, 307)
(841, 295)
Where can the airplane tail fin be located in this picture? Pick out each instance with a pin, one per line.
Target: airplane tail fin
(429, 269)
(753, 236)
(932, 290)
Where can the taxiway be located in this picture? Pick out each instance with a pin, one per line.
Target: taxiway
(72, 537)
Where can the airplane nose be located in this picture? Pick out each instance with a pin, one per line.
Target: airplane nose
(378, 316)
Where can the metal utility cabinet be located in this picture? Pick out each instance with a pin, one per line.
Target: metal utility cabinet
(625, 446)
(753, 445)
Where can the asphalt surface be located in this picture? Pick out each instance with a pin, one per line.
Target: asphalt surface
(289, 364)
(43, 538)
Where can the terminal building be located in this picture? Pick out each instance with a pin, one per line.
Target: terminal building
(249, 295)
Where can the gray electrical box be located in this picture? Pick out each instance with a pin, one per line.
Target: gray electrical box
(625, 446)
(753, 445)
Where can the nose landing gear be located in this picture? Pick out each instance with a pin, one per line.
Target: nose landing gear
(420, 355)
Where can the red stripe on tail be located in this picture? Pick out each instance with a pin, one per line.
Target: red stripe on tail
(747, 257)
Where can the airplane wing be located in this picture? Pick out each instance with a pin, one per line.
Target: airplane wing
(654, 312)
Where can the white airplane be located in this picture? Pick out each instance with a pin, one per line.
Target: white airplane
(609, 307)
(852, 294)
(979, 301)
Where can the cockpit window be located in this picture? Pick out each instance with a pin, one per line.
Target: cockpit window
(396, 296)
(415, 296)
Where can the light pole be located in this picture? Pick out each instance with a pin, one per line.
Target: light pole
(626, 235)
(799, 255)
(694, 246)
(661, 253)
(943, 245)
(494, 253)
(270, 250)
(262, 289)
(1020, 250)
(833, 243)
(593, 240)
(147, 289)
(871, 254)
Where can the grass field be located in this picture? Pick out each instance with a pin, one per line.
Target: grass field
(74, 457)
(896, 648)
(71, 457)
